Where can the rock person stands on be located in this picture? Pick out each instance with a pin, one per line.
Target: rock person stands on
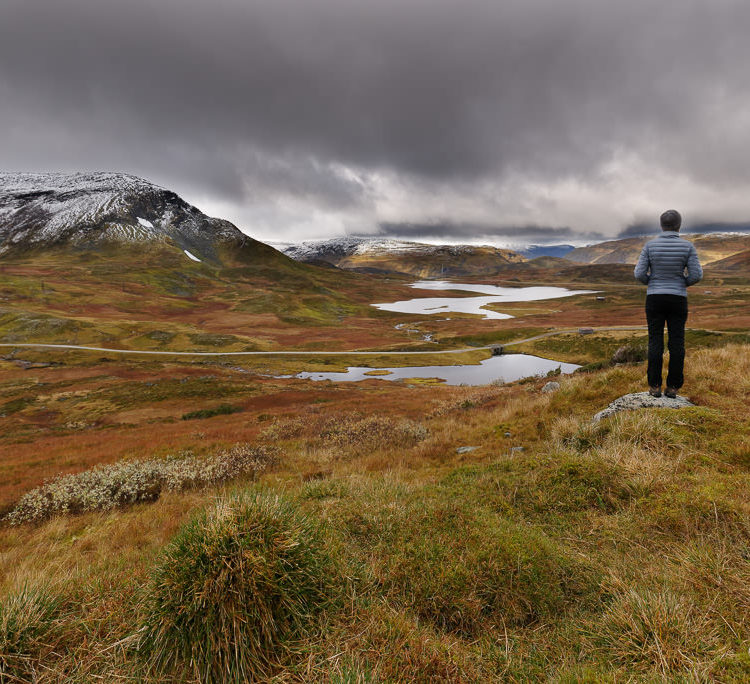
(668, 265)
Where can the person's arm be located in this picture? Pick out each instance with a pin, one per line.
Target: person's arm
(694, 269)
(641, 268)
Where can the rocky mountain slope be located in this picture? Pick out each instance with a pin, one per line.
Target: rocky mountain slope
(711, 247)
(397, 256)
(39, 210)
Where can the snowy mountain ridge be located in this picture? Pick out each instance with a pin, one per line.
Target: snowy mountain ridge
(350, 246)
(44, 209)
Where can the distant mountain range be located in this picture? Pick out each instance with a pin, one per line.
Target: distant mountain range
(373, 255)
(84, 211)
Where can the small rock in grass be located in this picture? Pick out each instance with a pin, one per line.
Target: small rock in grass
(551, 387)
(465, 449)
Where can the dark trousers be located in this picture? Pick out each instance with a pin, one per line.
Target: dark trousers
(673, 310)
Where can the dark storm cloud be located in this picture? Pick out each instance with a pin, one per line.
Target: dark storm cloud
(641, 229)
(468, 232)
(252, 101)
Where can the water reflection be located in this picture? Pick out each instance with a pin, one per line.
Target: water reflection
(506, 368)
(492, 294)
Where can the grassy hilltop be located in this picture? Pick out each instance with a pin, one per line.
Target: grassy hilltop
(609, 552)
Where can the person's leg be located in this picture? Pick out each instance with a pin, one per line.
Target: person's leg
(676, 318)
(655, 319)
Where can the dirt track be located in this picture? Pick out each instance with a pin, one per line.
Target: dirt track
(314, 353)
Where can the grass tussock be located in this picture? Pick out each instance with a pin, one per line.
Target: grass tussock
(28, 629)
(236, 590)
(107, 487)
(649, 630)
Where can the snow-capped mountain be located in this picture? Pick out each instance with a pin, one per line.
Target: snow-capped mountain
(338, 248)
(399, 256)
(45, 209)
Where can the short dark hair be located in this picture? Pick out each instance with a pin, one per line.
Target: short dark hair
(671, 220)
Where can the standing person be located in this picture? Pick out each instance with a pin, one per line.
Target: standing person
(668, 265)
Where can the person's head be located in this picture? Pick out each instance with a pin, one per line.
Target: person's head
(671, 220)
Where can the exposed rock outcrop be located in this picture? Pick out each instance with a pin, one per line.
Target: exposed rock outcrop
(640, 400)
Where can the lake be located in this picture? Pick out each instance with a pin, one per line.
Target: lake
(491, 294)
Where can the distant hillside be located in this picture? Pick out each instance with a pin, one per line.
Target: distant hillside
(736, 262)
(410, 258)
(711, 247)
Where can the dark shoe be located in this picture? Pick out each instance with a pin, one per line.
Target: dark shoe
(670, 392)
(655, 391)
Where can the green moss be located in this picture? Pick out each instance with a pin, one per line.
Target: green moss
(15, 405)
(221, 410)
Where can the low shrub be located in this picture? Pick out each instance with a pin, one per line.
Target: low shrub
(285, 429)
(630, 353)
(474, 399)
(350, 432)
(235, 591)
(221, 410)
(27, 627)
(106, 487)
(371, 432)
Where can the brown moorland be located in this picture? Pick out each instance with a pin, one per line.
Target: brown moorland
(610, 552)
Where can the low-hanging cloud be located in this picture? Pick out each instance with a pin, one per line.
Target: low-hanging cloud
(472, 233)
(301, 117)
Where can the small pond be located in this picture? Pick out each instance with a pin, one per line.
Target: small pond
(505, 368)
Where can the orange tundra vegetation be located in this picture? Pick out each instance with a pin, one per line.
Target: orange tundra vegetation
(599, 552)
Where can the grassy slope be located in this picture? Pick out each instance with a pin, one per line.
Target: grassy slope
(598, 553)
(711, 248)
(158, 299)
(440, 263)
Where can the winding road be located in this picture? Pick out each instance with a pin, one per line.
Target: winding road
(35, 345)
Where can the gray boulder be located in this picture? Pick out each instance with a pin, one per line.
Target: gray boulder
(641, 400)
(551, 387)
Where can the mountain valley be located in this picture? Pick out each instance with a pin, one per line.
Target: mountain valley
(482, 533)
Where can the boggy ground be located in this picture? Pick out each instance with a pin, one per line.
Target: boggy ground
(610, 552)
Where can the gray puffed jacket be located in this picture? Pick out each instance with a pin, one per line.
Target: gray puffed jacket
(663, 263)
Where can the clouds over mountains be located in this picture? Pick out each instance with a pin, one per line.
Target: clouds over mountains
(306, 118)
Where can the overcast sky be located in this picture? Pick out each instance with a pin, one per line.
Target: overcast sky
(462, 120)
